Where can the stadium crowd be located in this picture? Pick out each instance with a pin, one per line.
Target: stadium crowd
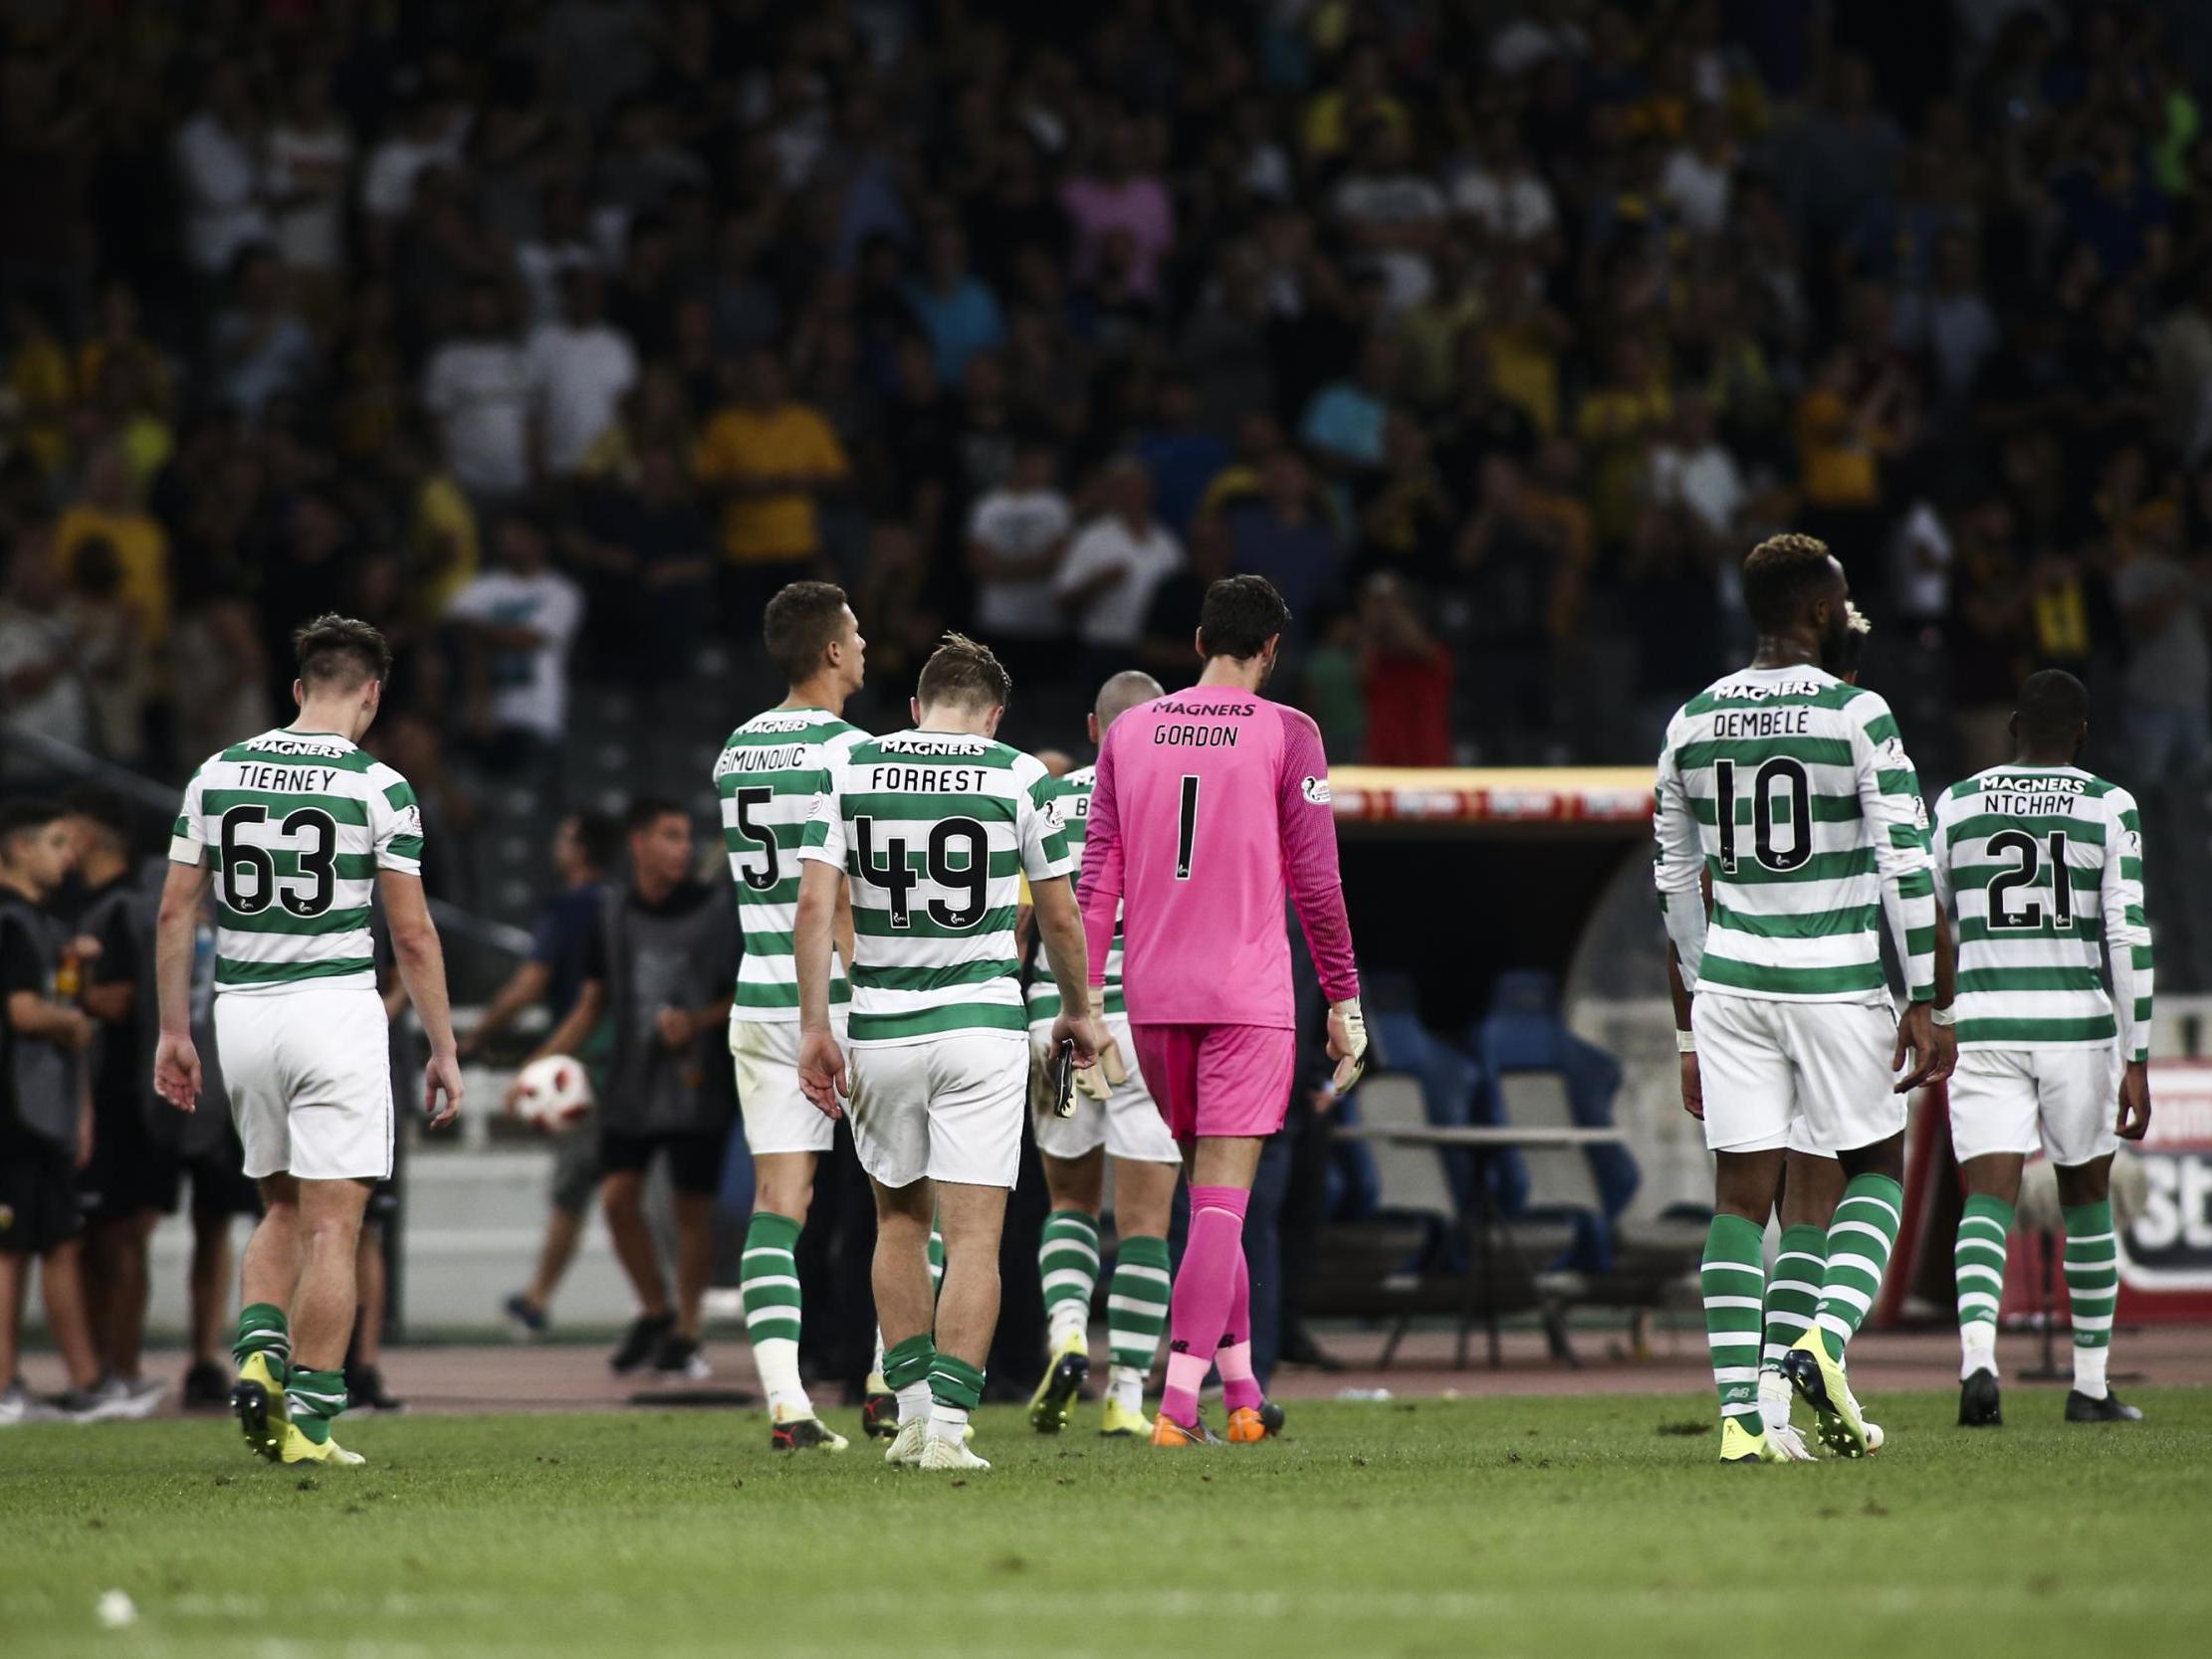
(551, 338)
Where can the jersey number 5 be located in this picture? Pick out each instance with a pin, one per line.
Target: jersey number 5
(2023, 846)
(897, 877)
(1791, 775)
(317, 863)
(748, 802)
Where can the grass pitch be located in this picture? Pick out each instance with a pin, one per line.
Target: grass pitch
(1502, 1526)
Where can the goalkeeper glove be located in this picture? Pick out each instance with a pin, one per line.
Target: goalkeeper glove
(1348, 1041)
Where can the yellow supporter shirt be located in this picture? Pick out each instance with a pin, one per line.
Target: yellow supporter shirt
(741, 446)
(1839, 466)
(443, 541)
(141, 548)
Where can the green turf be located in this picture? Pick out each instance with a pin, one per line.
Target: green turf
(1505, 1526)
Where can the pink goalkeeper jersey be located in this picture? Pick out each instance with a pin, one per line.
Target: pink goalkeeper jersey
(1210, 805)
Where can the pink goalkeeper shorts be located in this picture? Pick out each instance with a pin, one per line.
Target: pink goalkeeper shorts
(1218, 1080)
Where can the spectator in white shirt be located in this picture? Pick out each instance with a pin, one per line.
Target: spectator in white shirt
(1017, 538)
(563, 244)
(477, 387)
(1106, 582)
(1691, 468)
(311, 154)
(431, 133)
(580, 368)
(1501, 192)
(519, 623)
(218, 163)
(1697, 173)
(1392, 213)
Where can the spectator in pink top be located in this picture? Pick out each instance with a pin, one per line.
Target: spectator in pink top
(1121, 196)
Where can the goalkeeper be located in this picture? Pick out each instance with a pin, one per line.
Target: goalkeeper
(1113, 1118)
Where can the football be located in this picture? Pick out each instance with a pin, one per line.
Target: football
(554, 1091)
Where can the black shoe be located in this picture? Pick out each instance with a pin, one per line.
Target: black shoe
(206, 1387)
(2080, 1408)
(641, 1342)
(678, 1360)
(528, 1318)
(366, 1392)
(879, 1417)
(1978, 1405)
(804, 1434)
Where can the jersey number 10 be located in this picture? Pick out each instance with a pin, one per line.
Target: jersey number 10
(1773, 857)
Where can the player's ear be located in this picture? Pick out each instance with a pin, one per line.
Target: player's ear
(991, 720)
(300, 692)
(1197, 643)
(2012, 728)
(1090, 725)
(914, 707)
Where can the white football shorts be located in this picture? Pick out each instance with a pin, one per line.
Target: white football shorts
(309, 1074)
(948, 1109)
(1763, 1062)
(778, 1118)
(1128, 1125)
(2062, 1100)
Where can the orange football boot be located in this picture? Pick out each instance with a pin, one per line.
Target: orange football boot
(1166, 1431)
(1248, 1425)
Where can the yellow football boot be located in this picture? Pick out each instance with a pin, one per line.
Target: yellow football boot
(257, 1401)
(297, 1448)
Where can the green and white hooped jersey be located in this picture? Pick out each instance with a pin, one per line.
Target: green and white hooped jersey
(936, 830)
(2045, 868)
(769, 773)
(1073, 793)
(295, 825)
(1793, 792)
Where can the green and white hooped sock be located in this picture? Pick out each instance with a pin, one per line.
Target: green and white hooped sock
(2091, 1290)
(1137, 1304)
(769, 1283)
(1067, 1269)
(1794, 1293)
(1733, 1279)
(956, 1389)
(1978, 1266)
(261, 1329)
(316, 1398)
(906, 1371)
(1859, 1240)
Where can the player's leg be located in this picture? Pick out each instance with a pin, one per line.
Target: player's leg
(1147, 1164)
(1812, 1186)
(365, 1359)
(623, 1162)
(977, 1089)
(1139, 1296)
(1072, 1152)
(1204, 1305)
(1749, 1098)
(891, 1136)
(323, 1310)
(787, 1137)
(2078, 1092)
(267, 1281)
(208, 1286)
(1993, 1129)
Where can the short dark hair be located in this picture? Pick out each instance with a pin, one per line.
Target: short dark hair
(102, 806)
(799, 624)
(342, 651)
(2053, 707)
(20, 817)
(1780, 574)
(1240, 616)
(962, 670)
(599, 834)
(647, 810)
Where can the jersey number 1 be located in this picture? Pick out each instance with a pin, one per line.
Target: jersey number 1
(1771, 856)
(1187, 827)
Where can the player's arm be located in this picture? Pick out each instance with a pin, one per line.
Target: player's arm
(1678, 872)
(176, 1064)
(1890, 801)
(420, 959)
(111, 995)
(1098, 885)
(1305, 817)
(2127, 945)
(821, 889)
(1060, 930)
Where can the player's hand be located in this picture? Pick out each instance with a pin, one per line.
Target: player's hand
(441, 1089)
(1694, 1088)
(822, 1077)
(674, 1026)
(2134, 1100)
(176, 1072)
(78, 1030)
(84, 948)
(1100, 1080)
(1347, 1043)
(1091, 1039)
(1932, 1049)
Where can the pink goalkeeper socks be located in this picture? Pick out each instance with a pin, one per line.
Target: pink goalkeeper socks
(1233, 1358)
(1210, 1292)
